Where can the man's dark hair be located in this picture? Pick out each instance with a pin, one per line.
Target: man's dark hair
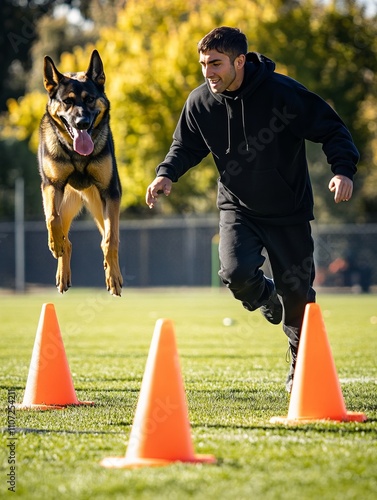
(229, 41)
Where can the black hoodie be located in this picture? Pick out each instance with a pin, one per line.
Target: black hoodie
(257, 138)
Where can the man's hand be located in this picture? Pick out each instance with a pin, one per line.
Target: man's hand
(161, 185)
(342, 188)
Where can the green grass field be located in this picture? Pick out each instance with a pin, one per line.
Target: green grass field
(234, 381)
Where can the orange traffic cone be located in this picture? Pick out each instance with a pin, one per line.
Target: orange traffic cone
(316, 392)
(49, 384)
(160, 433)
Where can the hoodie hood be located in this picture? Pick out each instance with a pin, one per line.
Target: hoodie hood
(257, 69)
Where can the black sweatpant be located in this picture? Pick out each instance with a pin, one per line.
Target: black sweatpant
(290, 252)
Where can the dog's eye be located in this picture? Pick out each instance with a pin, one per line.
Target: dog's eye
(89, 99)
(68, 101)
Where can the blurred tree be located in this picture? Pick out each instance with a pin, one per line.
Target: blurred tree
(18, 146)
(104, 12)
(17, 34)
(67, 30)
(16, 155)
(19, 30)
(56, 36)
(368, 197)
(332, 50)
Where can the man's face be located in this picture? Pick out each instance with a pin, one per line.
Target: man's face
(220, 72)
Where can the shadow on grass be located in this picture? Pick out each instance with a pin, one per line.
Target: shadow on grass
(28, 430)
(318, 426)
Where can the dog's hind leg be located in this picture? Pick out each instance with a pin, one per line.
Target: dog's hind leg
(106, 216)
(71, 205)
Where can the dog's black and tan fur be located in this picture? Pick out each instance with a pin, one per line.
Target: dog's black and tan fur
(77, 166)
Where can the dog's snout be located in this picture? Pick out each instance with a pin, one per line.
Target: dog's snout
(82, 123)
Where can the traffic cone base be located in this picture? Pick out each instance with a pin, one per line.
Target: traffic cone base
(161, 432)
(49, 384)
(316, 393)
(126, 463)
(51, 407)
(350, 416)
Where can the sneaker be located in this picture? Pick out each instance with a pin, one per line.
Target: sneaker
(291, 354)
(272, 310)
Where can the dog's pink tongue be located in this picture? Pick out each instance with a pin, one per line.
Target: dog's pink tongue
(82, 142)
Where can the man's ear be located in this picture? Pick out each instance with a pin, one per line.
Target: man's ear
(240, 61)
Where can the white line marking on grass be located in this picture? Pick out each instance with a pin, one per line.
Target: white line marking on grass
(353, 380)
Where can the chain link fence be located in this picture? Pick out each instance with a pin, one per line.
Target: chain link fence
(179, 252)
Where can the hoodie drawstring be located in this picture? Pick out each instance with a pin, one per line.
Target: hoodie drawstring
(243, 125)
(228, 116)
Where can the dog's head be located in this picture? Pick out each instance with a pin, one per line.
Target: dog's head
(77, 102)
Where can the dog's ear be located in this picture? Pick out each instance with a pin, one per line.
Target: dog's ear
(95, 71)
(52, 76)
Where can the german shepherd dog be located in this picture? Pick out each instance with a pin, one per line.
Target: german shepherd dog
(77, 166)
